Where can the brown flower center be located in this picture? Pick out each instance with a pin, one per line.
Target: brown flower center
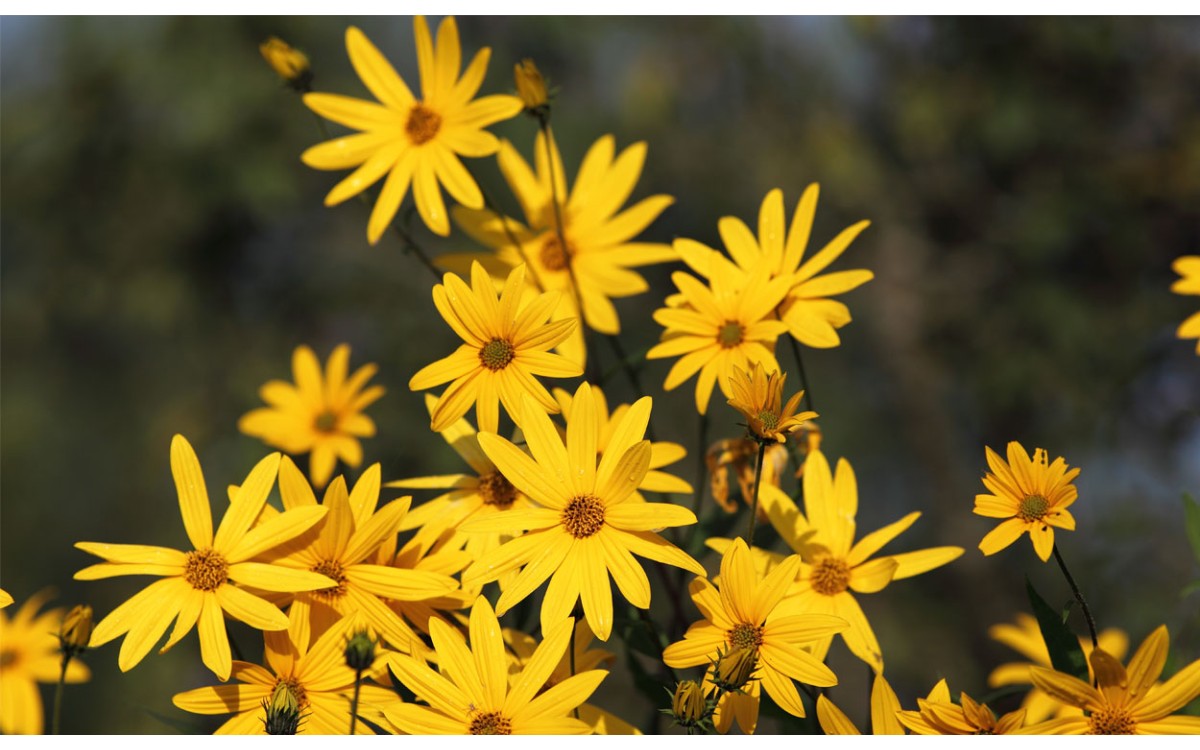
(745, 636)
(1111, 720)
(205, 570)
(294, 687)
(490, 722)
(496, 354)
(731, 334)
(331, 569)
(423, 124)
(8, 657)
(553, 257)
(496, 490)
(830, 576)
(583, 516)
(1033, 507)
(325, 421)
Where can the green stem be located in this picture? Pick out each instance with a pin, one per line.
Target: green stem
(762, 452)
(58, 693)
(354, 703)
(1087, 613)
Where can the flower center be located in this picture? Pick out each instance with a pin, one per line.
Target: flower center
(730, 334)
(8, 657)
(1033, 507)
(830, 576)
(553, 257)
(331, 569)
(294, 687)
(744, 635)
(325, 421)
(423, 124)
(491, 722)
(1111, 720)
(496, 490)
(205, 570)
(769, 420)
(496, 354)
(583, 516)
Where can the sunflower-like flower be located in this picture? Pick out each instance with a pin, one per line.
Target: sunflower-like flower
(318, 415)
(506, 346)
(1031, 494)
(1188, 267)
(1026, 637)
(586, 528)
(198, 586)
(600, 249)
(1125, 700)
(939, 715)
(758, 395)
(411, 140)
(28, 655)
(475, 694)
(884, 707)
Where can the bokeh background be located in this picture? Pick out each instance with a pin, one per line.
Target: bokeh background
(1028, 182)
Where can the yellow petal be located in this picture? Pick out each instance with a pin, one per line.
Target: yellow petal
(193, 495)
(376, 72)
(1002, 536)
(248, 608)
(832, 720)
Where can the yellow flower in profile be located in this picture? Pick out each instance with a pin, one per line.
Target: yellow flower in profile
(1032, 495)
(884, 707)
(723, 327)
(938, 715)
(600, 251)
(197, 588)
(531, 87)
(738, 457)
(474, 694)
(759, 397)
(28, 655)
(506, 345)
(289, 63)
(1188, 267)
(1125, 700)
(834, 567)
(1026, 637)
(318, 415)
(744, 614)
(314, 674)
(586, 529)
(411, 140)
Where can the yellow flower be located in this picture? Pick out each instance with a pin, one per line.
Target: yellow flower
(739, 457)
(1189, 268)
(29, 655)
(316, 677)
(724, 327)
(938, 715)
(1026, 637)
(198, 586)
(318, 415)
(833, 565)
(600, 252)
(743, 614)
(759, 397)
(75, 631)
(474, 695)
(884, 707)
(289, 63)
(506, 346)
(586, 528)
(1032, 495)
(411, 140)
(530, 85)
(1126, 700)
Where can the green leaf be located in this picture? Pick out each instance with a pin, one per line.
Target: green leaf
(1191, 512)
(1190, 589)
(1065, 653)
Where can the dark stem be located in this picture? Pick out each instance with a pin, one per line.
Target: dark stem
(512, 239)
(762, 451)
(354, 703)
(571, 653)
(701, 466)
(1087, 613)
(58, 692)
(808, 401)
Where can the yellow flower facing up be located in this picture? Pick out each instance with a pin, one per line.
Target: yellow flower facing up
(198, 587)
(318, 415)
(1188, 267)
(1025, 637)
(884, 707)
(744, 614)
(506, 345)
(601, 248)
(28, 655)
(1031, 494)
(412, 141)
(938, 715)
(587, 529)
(834, 567)
(759, 397)
(1126, 700)
(474, 693)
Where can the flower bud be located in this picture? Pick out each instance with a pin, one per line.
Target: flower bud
(688, 703)
(290, 64)
(360, 651)
(530, 85)
(735, 668)
(76, 630)
(283, 711)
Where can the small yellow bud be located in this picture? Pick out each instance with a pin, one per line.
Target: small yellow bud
(530, 85)
(688, 704)
(76, 630)
(360, 651)
(283, 710)
(735, 668)
(289, 63)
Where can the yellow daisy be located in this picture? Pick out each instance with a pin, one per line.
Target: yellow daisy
(759, 397)
(411, 140)
(506, 345)
(1026, 637)
(833, 565)
(600, 248)
(1188, 267)
(198, 586)
(938, 715)
(28, 655)
(743, 614)
(1031, 494)
(317, 678)
(724, 327)
(884, 707)
(321, 415)
(1126, 700)
(586, 529)
(474, 694)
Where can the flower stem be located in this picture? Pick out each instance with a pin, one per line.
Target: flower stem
(1087, 613)
(762, 452)
(58, 692)
(512, 238)
(808, 400)
(354, 703)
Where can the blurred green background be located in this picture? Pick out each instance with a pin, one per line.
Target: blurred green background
(1028, 182)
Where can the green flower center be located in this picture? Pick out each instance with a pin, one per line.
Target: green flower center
(295, 688)
(583, 516)
(491, 722)
(423, 124)
(731, 334)
(331, 569)
(1111, 720)
(325, 421)
(1033, 507)
(744, 636)
(769, 420)
(830, 576)
(496, 490)
(205, 570)
(496, 354)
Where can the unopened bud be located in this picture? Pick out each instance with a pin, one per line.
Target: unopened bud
(735, 668)
(360, 651)
(76, 630)
(530, 85)
(283, 711)
(289, 63)
(688, 704)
